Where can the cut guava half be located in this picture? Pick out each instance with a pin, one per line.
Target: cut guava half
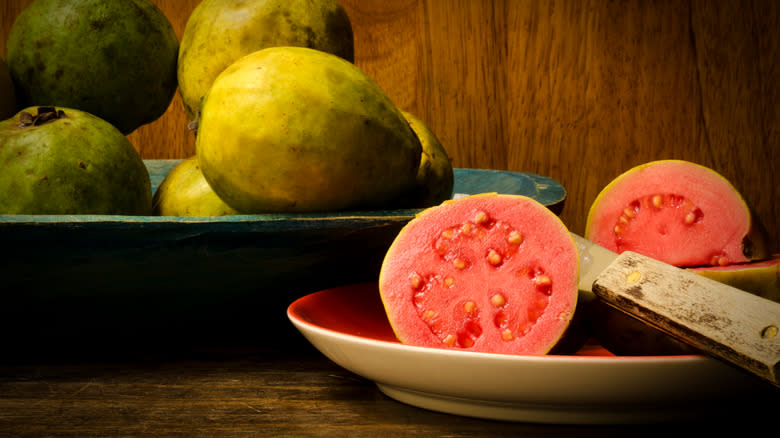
(488, 273)
(678, 212)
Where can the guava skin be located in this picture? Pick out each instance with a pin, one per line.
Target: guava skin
(114, 59)
(435, 178)
(7, 93)
(291, 129)
(185, 192)
(75, 164)
(219, 32)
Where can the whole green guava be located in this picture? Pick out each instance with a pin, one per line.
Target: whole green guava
(185, 192)
(435, 178)
(297, 130)
(219, 32)
(65, 161)
(115, 59)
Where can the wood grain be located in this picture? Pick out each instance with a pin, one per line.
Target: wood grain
(579, 91)
(246, 393)
(260, 392)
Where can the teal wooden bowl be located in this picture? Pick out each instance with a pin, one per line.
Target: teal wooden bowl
(73, 274)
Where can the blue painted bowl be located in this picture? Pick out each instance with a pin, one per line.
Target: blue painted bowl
(65, 275)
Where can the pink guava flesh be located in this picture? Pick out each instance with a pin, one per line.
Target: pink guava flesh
(489, 273)
(675, 211)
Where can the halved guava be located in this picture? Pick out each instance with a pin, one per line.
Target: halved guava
(489, 273)
(678, 212)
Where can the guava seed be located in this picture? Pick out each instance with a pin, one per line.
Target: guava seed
(494, 258)
(689, 214)
(501, 242)
(507, 335)
(498, 300)
(543, 280)
(515, 238)
(415, 280)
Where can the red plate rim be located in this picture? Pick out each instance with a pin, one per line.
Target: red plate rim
(356, 310)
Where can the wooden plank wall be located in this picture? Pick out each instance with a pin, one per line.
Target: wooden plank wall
(578, 90)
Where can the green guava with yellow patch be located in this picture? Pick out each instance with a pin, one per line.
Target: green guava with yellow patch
(435, 178)
(293, 129)
(220, 32)
(185, 192)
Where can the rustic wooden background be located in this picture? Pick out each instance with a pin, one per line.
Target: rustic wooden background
(578, 90)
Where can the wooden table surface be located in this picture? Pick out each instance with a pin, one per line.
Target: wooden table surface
(266, 382)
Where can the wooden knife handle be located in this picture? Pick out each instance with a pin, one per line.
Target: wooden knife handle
(725, 322)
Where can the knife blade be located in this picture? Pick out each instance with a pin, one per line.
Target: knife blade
(722, 321)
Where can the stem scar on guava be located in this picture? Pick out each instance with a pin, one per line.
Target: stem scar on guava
(45, 114)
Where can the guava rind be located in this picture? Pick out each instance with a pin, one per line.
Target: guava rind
(218, 33)
(430, 297)
(435, 178)
(113, 59)
(7, 93)
(77, 164)
(724, 229)
(290, 129)
(760, 278)
(185, 192)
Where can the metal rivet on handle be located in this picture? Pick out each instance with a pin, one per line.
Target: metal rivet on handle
(634, 277)
(769, 332)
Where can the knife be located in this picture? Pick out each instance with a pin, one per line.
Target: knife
(722, 321)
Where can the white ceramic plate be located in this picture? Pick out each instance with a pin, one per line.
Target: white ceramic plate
(348, 325)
